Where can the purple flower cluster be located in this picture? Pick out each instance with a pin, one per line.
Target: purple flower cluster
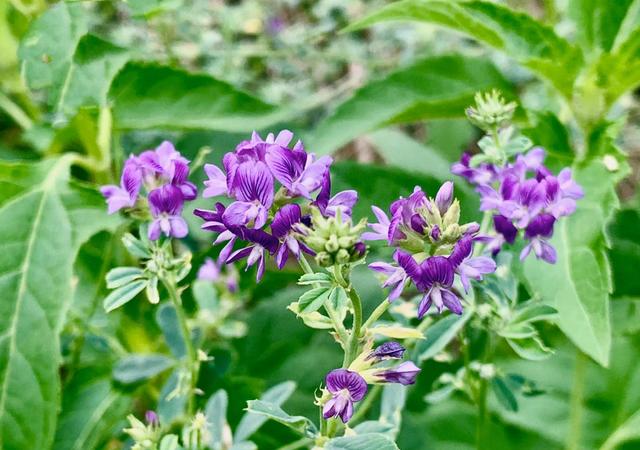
(347, 387)
(432, 249)
(523, 195)
(163, 174)
(261, 213)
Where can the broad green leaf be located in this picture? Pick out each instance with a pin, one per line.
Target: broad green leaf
(91, 412)
(529, 42)
(628, 431)
(119, 276)
(438, 335)
(400, 150)
(152, 96)
(216, 412)
(436, 87)
(42, 225)
(170, 442)
(394, 397)
(167, 320)
(313, 319)
(598, 22)
(533, 312)
(123, 294)
(579, 284)
(49, 44)
(138, 367)
(313, 300)
(272, 411)
(250, 423)
(370, 441)
(95, 63)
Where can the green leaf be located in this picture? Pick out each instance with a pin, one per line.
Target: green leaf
(216, 412)
(529, 42)
(151, 7)
(625, 252)
(91, 412)
(598, 21)
(42, 225)
(579, 284)
(95, 64)
(119, 276)
(619, 71)
(272, 411)
(205, 294)
(153, 96)
(250, 423)
(313, 278)
(530, 348)
(436, 87)
(628, 431)
(370, 441)
(394, 397)
(438, 335)
(504, 394)
(170, 442)
(123, 294)
(138, 367)
(533, 311)
(167, 319)
(48, 46)
(313, 300)
(171, 406)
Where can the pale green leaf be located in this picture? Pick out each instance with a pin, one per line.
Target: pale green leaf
(250, 423)
(272, 411)
(439, 334)
(42, 226)
(123, 294)
(628, 431)
(370, 441)
(119, 276)
(216, 413)
(313, 300)
(167, 319)
(520, 36)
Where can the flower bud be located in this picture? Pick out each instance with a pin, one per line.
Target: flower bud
(490, 111)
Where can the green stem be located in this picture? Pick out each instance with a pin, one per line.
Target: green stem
(192, 355)
(377, 313)
(354, 338)
(15, 112)
(577, 399)
(482, 420)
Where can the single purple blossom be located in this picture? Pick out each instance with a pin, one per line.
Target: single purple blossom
(396, 276)
(405, 373)
(283, 229)
(297, 170)
(444, 197)
(152, 418)
(346, 388)
(483, 174)
(209, 271)
(125, 195)
(165, 204)
(388, 350)
(253, 185)
(381, 229)
(261, 243)
(538, 231)
(468, 267)
(434, 277)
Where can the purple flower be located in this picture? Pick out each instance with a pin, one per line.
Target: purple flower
(434, 277)
(253, 185)
(405, 373)
(152, 418)
(444, 197)
(538, 231)
(125, 195)
(483, 174)
(381, 229)
(282, 228)
(209, 271)
(166, 165)
(296, 170)
(260, 244)
(388, 350)
(468, 267)
(396, 276)
(346, 388)
(343, 201)
(165, 204)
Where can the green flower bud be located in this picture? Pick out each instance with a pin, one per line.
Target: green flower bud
(332, 244)
(324, 259)
(491, 111)
(452, 216)
(343, 256)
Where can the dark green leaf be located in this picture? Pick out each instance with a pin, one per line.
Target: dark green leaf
(432, 88)
(168, 322)
(504, 394)
(152, 96)
(529, 42)
(138, 367)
